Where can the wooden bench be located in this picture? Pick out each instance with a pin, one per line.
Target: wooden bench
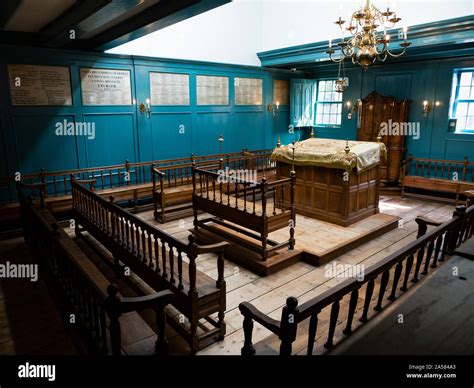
(172, 184)
(128, 182)
(160, 260)
(443, 176)
(77, 283)
(393, 274)
(240, 204)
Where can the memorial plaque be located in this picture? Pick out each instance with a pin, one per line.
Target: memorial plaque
(39, 85)
(248, 91)
(212, 90)
(169, 89)
(106, 87)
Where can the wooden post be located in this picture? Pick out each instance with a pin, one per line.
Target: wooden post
(248, 349)
(161, 345)
(195, 212)
(112, 304)
(456, 234)
(292, 208)
(288, 326)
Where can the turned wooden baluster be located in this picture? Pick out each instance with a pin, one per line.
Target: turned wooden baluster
(332, 324)
(383, 287)
(157, 255)
(428, 257)
(313, 328)
(396, 278)
(180, 270)
(163, 257)
(368, 295)
(171, 257)
(439, 243)
(419, 260)
(408, 268)
(352, 308)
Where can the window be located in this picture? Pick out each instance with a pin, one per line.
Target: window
(329, 104)
(462, 100)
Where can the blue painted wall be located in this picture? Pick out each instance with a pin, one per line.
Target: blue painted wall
(27, 134)
(418, 81)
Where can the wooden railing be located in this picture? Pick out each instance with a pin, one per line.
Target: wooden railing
(154, 255)
(57, 183)
(77, 283)
(438, 168)
(424, 253)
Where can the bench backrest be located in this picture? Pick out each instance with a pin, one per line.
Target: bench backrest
(156, 256)
(452, 170)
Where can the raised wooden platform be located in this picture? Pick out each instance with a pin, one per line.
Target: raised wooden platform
(324, 243)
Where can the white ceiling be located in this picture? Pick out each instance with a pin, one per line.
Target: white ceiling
(235, 32)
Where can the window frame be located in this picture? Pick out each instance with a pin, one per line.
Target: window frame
(455, 97)
(322, 103)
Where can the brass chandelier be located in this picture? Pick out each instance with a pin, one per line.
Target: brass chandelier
(367, 45)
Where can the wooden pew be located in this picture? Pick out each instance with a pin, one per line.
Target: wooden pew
(420, 256)
(77, 283)
(160, 260)
(446, 176)
(242, 202)
(127, 182)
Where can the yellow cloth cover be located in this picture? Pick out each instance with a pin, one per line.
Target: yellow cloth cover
(330, 153)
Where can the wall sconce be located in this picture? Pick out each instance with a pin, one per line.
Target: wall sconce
(351, 109)
(146, 109)
(271, 107)
(426, 108)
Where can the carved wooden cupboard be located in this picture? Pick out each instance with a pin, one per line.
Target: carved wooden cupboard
(377, 109)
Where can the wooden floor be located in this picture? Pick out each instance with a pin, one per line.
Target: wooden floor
(301, 280)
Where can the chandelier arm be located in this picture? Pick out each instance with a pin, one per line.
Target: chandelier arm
(397, 55)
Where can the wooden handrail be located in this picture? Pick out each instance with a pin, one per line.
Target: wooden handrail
(430, 248)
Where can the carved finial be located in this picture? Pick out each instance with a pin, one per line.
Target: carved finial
(379, 137)
(347, 149)
(312, 133)
(293, 147)
(278, 141)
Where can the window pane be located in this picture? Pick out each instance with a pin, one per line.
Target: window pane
(333, 119)
(327, 108)
(334, 108)
(461, 123)
(338, 97)
(471, 109)
(464, 93)
(470, 122)
(322, 86)
(461, 109)
(466, 79)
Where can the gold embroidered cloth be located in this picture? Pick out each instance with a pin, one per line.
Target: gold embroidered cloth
(330, 153)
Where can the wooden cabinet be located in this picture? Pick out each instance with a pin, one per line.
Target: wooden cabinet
(385, 112)
(302, 102)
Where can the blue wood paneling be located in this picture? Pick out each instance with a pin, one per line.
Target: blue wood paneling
(122, 132)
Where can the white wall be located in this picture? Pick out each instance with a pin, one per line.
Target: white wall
(235, 32)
